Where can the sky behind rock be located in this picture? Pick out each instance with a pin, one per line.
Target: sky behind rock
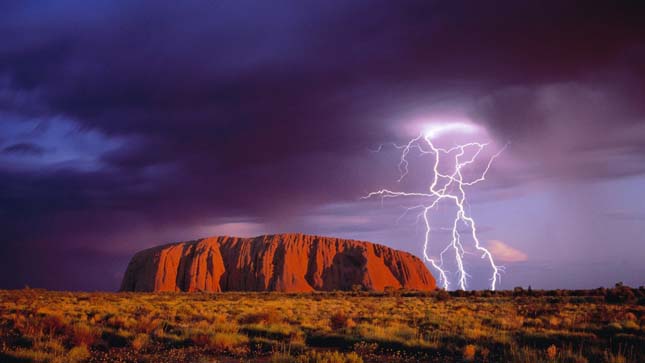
(124, 126)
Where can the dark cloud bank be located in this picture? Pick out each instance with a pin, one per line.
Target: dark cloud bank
(208, 111)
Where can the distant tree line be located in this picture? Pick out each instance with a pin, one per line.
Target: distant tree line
(619, 294)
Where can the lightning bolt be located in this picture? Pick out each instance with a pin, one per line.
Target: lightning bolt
(446, 187)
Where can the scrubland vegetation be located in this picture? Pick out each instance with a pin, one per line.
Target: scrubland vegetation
(602, 325)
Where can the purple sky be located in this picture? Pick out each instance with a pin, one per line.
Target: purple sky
(126, 126)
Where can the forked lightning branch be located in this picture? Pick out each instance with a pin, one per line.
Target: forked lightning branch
(447, 187)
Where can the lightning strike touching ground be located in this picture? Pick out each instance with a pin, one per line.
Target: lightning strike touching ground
(446, 187)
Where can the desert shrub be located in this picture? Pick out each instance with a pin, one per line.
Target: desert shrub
(402, 331)
(53, 324)
(266, 316)
(53, 346)
(81, 334)
(510, 322)
(393, 334)
(220, 342)
(630, 317)
(78, 354)
(228, 342)
(620, 295)
(200, 339)
(631, 325)
(147, 324)
(141, 341)
(534, 323)
(442, 295)
(338, 321)
(469, 352)
(219, 326)
(551, 352)
(554, 321)
(390, 290)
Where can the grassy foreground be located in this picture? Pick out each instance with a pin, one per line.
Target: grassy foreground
(602, 325)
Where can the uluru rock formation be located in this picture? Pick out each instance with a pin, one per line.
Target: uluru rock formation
(283, 262)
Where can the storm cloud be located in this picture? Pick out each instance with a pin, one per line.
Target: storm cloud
(128, 125)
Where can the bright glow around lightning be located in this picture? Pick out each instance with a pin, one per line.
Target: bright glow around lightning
(436, 130)
(448, 187)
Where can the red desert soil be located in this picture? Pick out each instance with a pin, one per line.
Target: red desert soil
(283, 262)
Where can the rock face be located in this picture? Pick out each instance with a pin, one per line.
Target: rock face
(285, 262)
